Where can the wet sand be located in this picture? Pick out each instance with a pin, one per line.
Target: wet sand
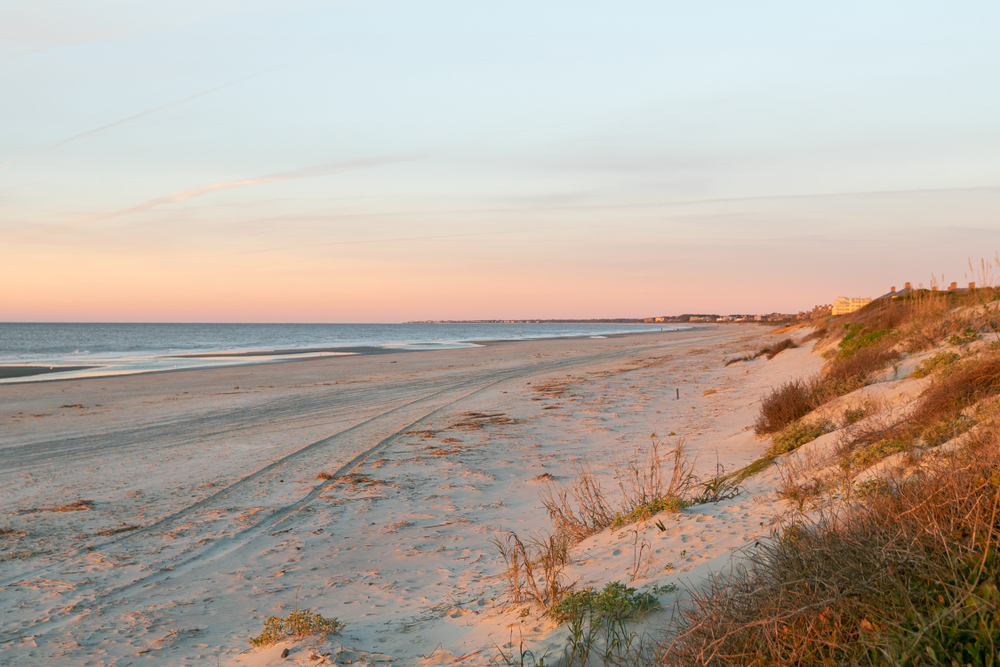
(7, 372)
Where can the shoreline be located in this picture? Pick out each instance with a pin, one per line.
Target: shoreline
(12, 375)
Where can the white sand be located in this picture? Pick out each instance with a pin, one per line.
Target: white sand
(218, 469)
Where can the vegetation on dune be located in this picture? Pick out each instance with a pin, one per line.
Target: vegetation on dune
(907, 573)
(787, 403)
(935, 363)
(901, 569)
(904, 570)
(797, 434)
(769, 351)
(298, 624)
(656, 479)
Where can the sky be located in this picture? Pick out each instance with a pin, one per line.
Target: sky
(298, 161)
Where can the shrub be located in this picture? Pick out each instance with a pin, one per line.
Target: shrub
(797, 434)
(296, 625)
(745, 357)
(857, 369)
(784, 405)
(769, 351)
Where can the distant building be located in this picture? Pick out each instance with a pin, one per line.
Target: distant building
(843, 305)
(822, 310)
(961, 290)
(894, 294)
(953, 288)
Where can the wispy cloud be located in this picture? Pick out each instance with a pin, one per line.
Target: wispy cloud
(184, 195)
(398, 239)
(129, 119)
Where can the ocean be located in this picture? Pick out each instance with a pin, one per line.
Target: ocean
(116, 349)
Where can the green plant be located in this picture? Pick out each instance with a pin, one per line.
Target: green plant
(595, 615)
(853, 416)
(752, 469)
(615, 600)
(937, 362)
(719, 487)
(665, 589)
(298, 624)
(868, 455)
(964, 338)
(797, 434)
(649, 510)
(944, 430)
(857, 338)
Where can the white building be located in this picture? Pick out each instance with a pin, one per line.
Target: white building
(842, 305)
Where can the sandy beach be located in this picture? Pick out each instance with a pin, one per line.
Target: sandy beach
(159, 518)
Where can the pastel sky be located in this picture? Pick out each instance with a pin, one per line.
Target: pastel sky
(257, 160)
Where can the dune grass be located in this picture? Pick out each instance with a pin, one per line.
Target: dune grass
(906, 573)
(906, 569)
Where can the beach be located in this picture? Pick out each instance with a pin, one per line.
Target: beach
(159, 518)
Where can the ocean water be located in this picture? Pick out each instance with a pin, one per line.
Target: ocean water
(114, 349)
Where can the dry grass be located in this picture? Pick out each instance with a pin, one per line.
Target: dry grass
(906, 574)
(771, 351)
(534, 572)
(654, 480)
(942, 413)
(76, 506)
(472, 421)
(965, 384)
(581, 508)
